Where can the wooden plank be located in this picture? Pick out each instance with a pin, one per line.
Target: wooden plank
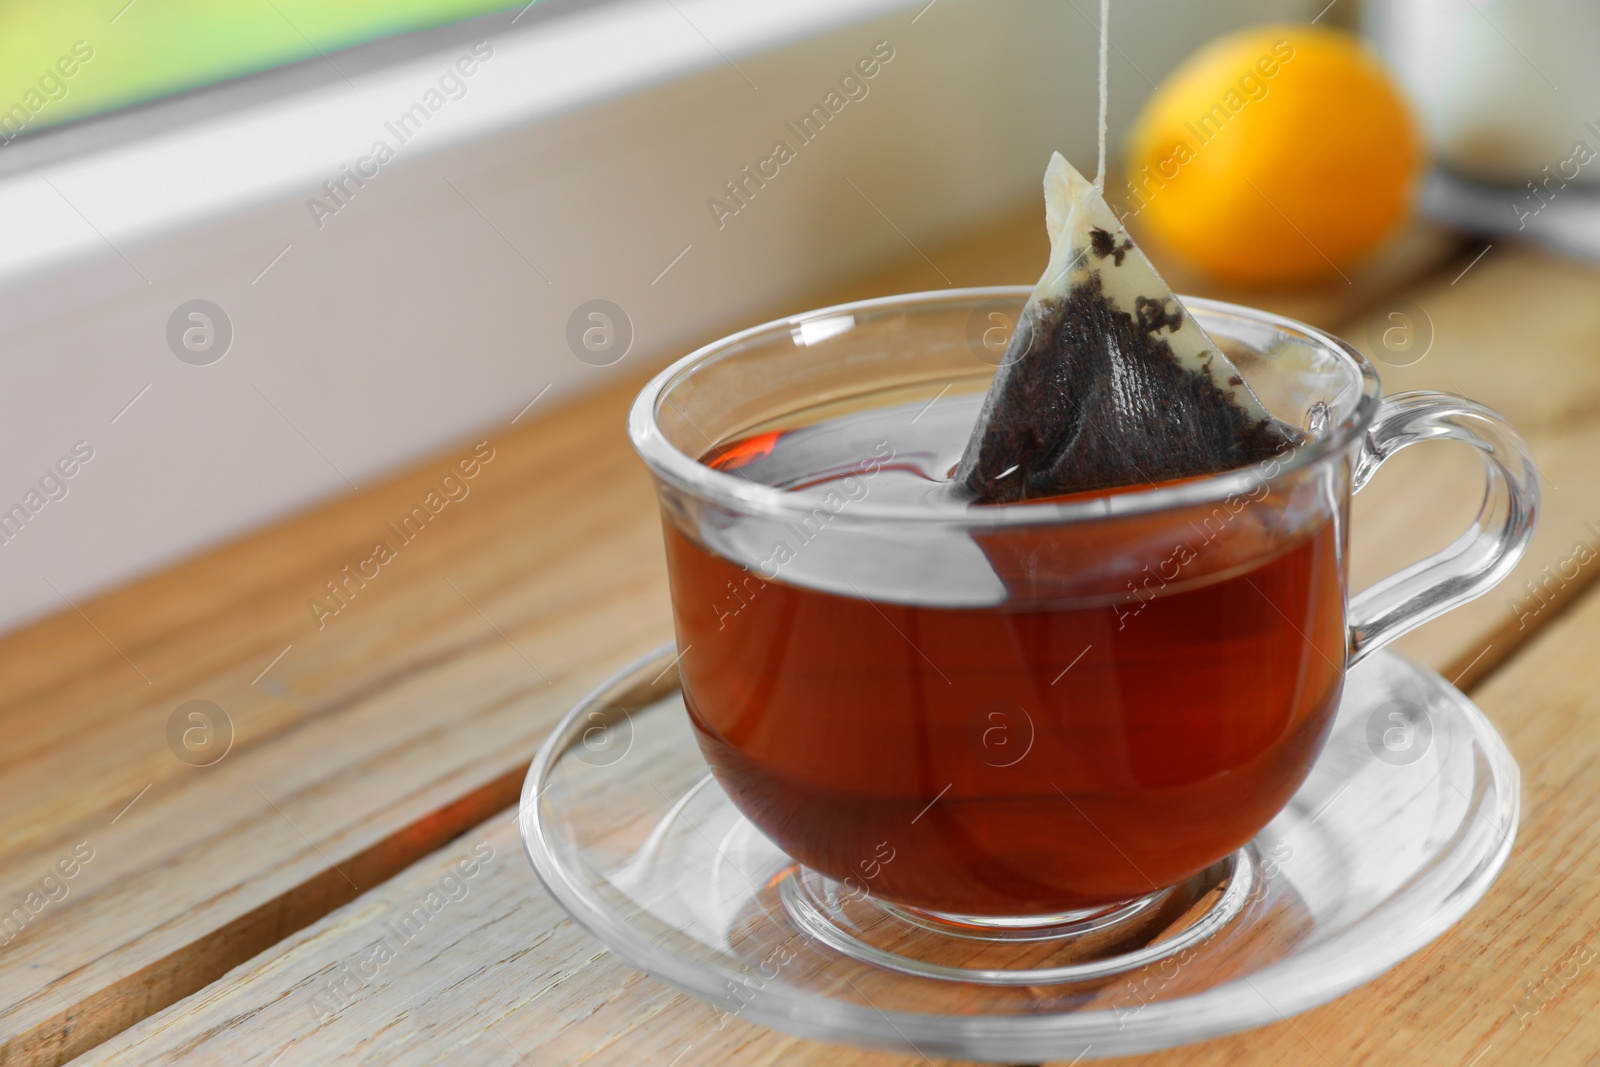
(501, 975)
(359, 745)
(364, 746)
(1514, 331)
(599, 1011)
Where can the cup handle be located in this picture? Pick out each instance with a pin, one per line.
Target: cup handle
(1481, 556)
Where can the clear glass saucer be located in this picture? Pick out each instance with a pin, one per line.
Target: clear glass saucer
(1403, 824)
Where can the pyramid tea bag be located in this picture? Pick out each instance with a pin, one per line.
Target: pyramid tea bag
(1107, 381)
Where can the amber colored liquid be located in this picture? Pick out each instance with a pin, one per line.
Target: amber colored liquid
(1012, 760)
(1165, 746)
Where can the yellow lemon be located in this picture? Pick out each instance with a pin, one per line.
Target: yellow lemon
(1275, 154)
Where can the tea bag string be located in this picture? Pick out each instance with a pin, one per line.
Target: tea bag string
(1105, 54)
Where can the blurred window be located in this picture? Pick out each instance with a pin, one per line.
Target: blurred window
(66, 59)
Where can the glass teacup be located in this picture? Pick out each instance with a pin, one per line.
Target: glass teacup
(1021, 715)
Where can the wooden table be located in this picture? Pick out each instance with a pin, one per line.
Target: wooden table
(209, 905)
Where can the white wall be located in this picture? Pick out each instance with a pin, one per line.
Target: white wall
(586, 146)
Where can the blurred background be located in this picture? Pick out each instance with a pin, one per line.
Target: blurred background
(255, 255)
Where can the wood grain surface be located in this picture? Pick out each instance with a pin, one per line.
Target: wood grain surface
(504, 977)
(364, 740)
